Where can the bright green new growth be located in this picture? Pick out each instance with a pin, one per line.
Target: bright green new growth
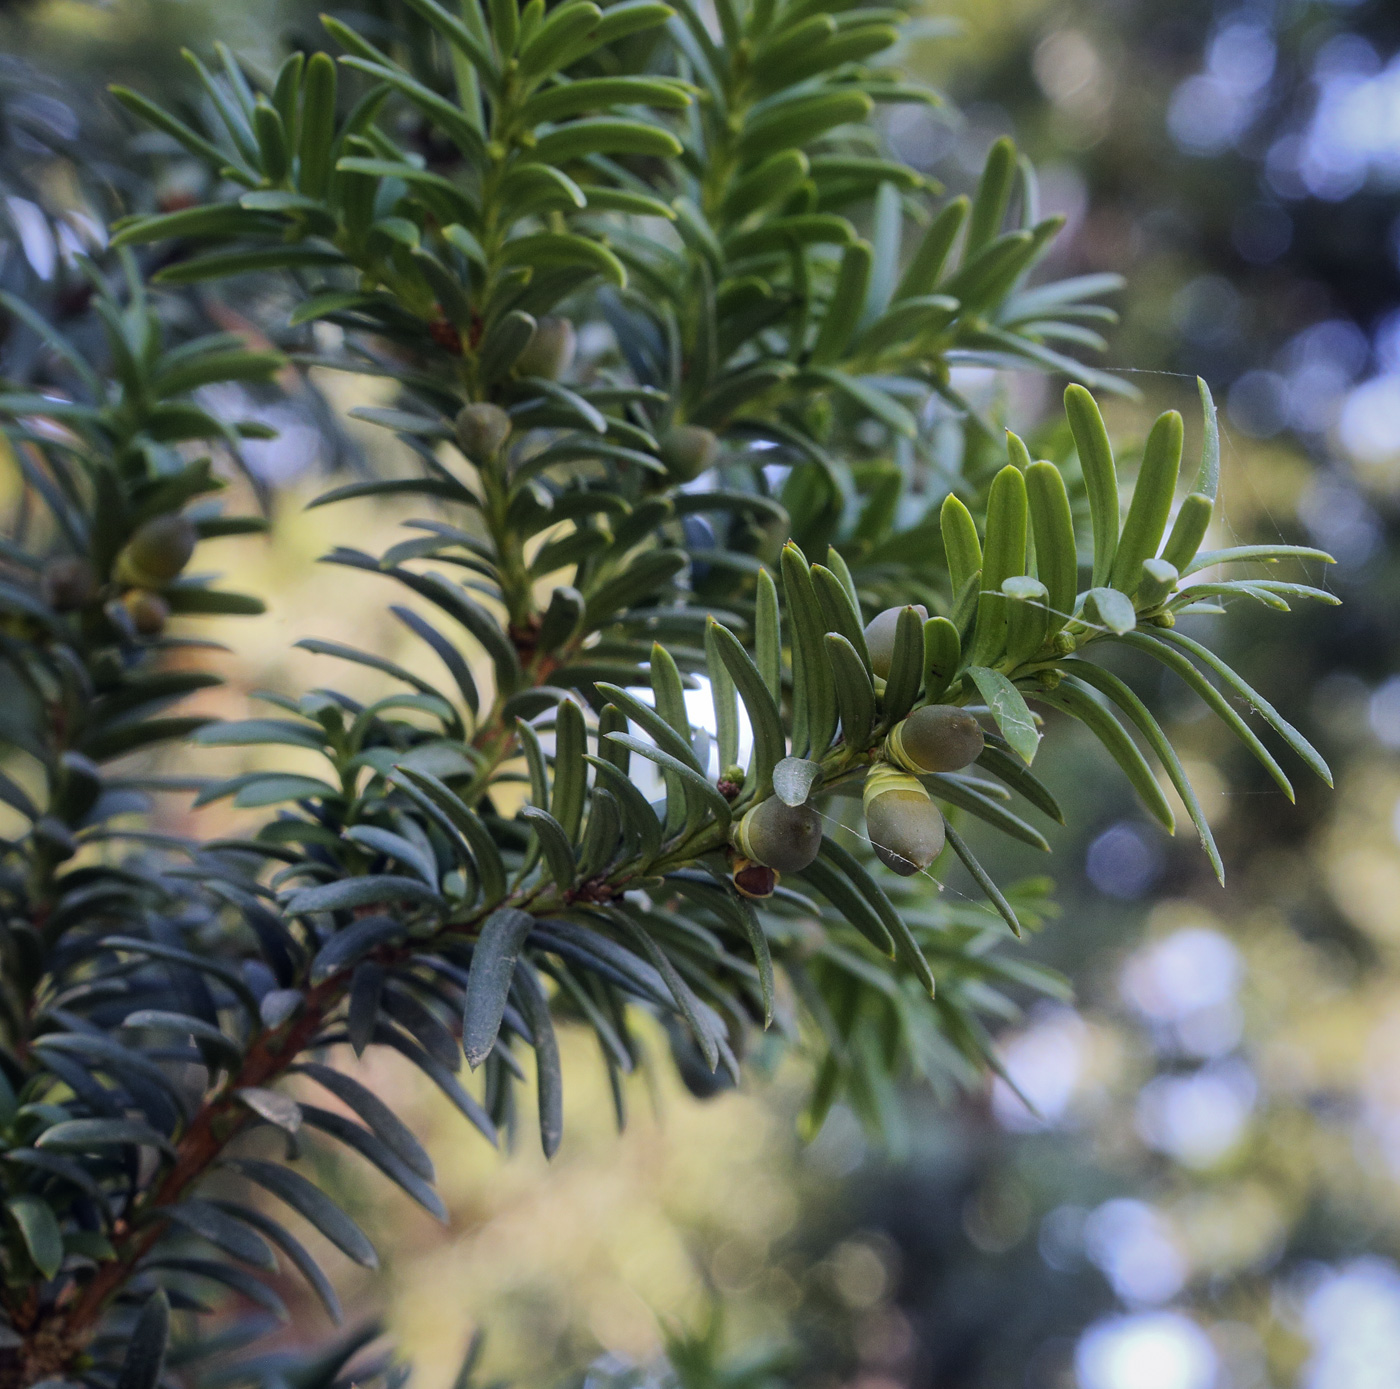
(709, 480)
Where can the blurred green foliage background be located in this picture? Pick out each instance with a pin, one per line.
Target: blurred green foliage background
(1204, 1192)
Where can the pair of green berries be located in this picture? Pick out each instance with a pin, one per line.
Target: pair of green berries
(154, 557)
(482, 429)
(687, 450)
(904, 826)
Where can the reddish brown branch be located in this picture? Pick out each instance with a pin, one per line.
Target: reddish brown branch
(52, 1342)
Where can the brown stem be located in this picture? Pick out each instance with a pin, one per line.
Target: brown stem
(51, 1343)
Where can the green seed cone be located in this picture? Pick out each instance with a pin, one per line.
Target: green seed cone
(688, 450)
(904, 825)
(158, 551)
(785, 837)
(879, 637)
(754, 879)
(550, 351)
(936, 738)
(481, 430)
(149, 612)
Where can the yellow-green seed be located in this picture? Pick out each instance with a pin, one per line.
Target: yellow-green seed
(550, 351)
(785, 837)
(481, 430)
(157, 552)
(149, 612)
(879, 637)
(688, 450)
(936, 738)
(904, 826)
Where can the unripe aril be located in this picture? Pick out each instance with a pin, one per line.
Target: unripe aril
(936, 738)
(754, 879)
(688, 450)
(785, 837)
(550, 352)
(158, 551)
(481, 430)
(904, 826)
(149, 612)
(879, 637)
